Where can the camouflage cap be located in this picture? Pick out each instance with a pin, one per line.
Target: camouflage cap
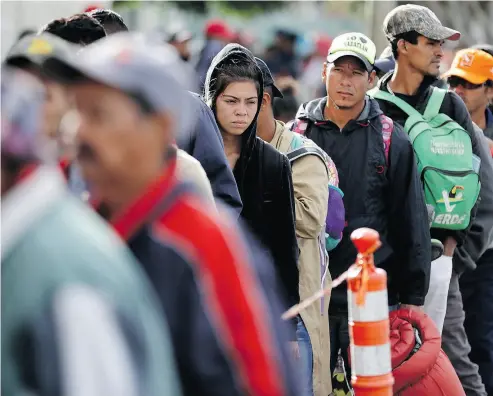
(411, 17)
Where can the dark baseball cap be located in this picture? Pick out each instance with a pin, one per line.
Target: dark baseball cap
(385, 61)
(179, 36)
(33, 50)
(268, 80)
(150, 73)
(411, 17)
(484, 47)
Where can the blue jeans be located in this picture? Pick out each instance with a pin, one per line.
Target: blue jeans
(306, 359)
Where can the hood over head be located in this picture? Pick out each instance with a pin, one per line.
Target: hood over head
(231, 56)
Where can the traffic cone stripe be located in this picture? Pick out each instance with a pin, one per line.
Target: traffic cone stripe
(370, 360)
(370, 333)
(369, 328)
(373, 310)
(374, 284)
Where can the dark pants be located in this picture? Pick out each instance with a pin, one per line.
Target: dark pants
(477, 295)
(455, 343)
(339, 340)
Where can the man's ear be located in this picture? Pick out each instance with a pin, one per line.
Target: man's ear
(266, 100)
(324, 72)
(402, 47)
(489, 94)
(371, 78)
(163, 126)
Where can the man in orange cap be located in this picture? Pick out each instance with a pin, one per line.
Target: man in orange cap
(471, 77)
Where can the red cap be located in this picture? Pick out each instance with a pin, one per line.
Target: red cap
(91, 8)
(219, 28)
(323, 44)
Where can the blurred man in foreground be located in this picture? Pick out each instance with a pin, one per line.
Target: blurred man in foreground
(78, 315)
(227, 339)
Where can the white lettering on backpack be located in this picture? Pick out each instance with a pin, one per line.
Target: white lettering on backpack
(447, 148)
(448, 219)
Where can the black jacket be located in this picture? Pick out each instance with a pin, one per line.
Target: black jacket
(454, 107)
(387, 199)
(205, 143)
(263, 177)
(467, 255)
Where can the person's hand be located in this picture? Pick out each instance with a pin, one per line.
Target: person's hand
(412, 307)
(449, 247)
(294, 349)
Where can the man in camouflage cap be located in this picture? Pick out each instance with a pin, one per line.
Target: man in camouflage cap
(411, 17)
(416, 37)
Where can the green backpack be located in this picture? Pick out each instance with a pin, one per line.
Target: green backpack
(448, 168)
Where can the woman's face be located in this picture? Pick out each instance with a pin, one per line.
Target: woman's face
(236, 107)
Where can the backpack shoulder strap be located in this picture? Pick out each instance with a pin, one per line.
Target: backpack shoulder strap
(302, 151)
(387, 129)
(434, 103)
(272, 169)
(405, 107)
(300, 126)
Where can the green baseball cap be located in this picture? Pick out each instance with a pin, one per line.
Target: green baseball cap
(353, 44)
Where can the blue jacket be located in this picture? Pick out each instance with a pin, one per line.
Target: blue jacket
(205, 144)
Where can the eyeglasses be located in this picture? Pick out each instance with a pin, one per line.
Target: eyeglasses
(454, 82)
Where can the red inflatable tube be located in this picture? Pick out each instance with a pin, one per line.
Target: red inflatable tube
(428, 371)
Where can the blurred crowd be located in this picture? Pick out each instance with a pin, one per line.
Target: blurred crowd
(161, 210)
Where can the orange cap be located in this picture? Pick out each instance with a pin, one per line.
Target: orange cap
(473, 65)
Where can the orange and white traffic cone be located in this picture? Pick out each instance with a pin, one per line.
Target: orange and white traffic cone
(369, 327)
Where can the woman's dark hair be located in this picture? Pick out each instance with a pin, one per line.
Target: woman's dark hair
(234, 70)
(410, 37)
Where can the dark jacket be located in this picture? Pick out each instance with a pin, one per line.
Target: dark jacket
(219, 294)
(210, 49)
(267, 194)
(454, 107)
(204, 142)
(387, 199)
(488, 132)
(477, 240)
